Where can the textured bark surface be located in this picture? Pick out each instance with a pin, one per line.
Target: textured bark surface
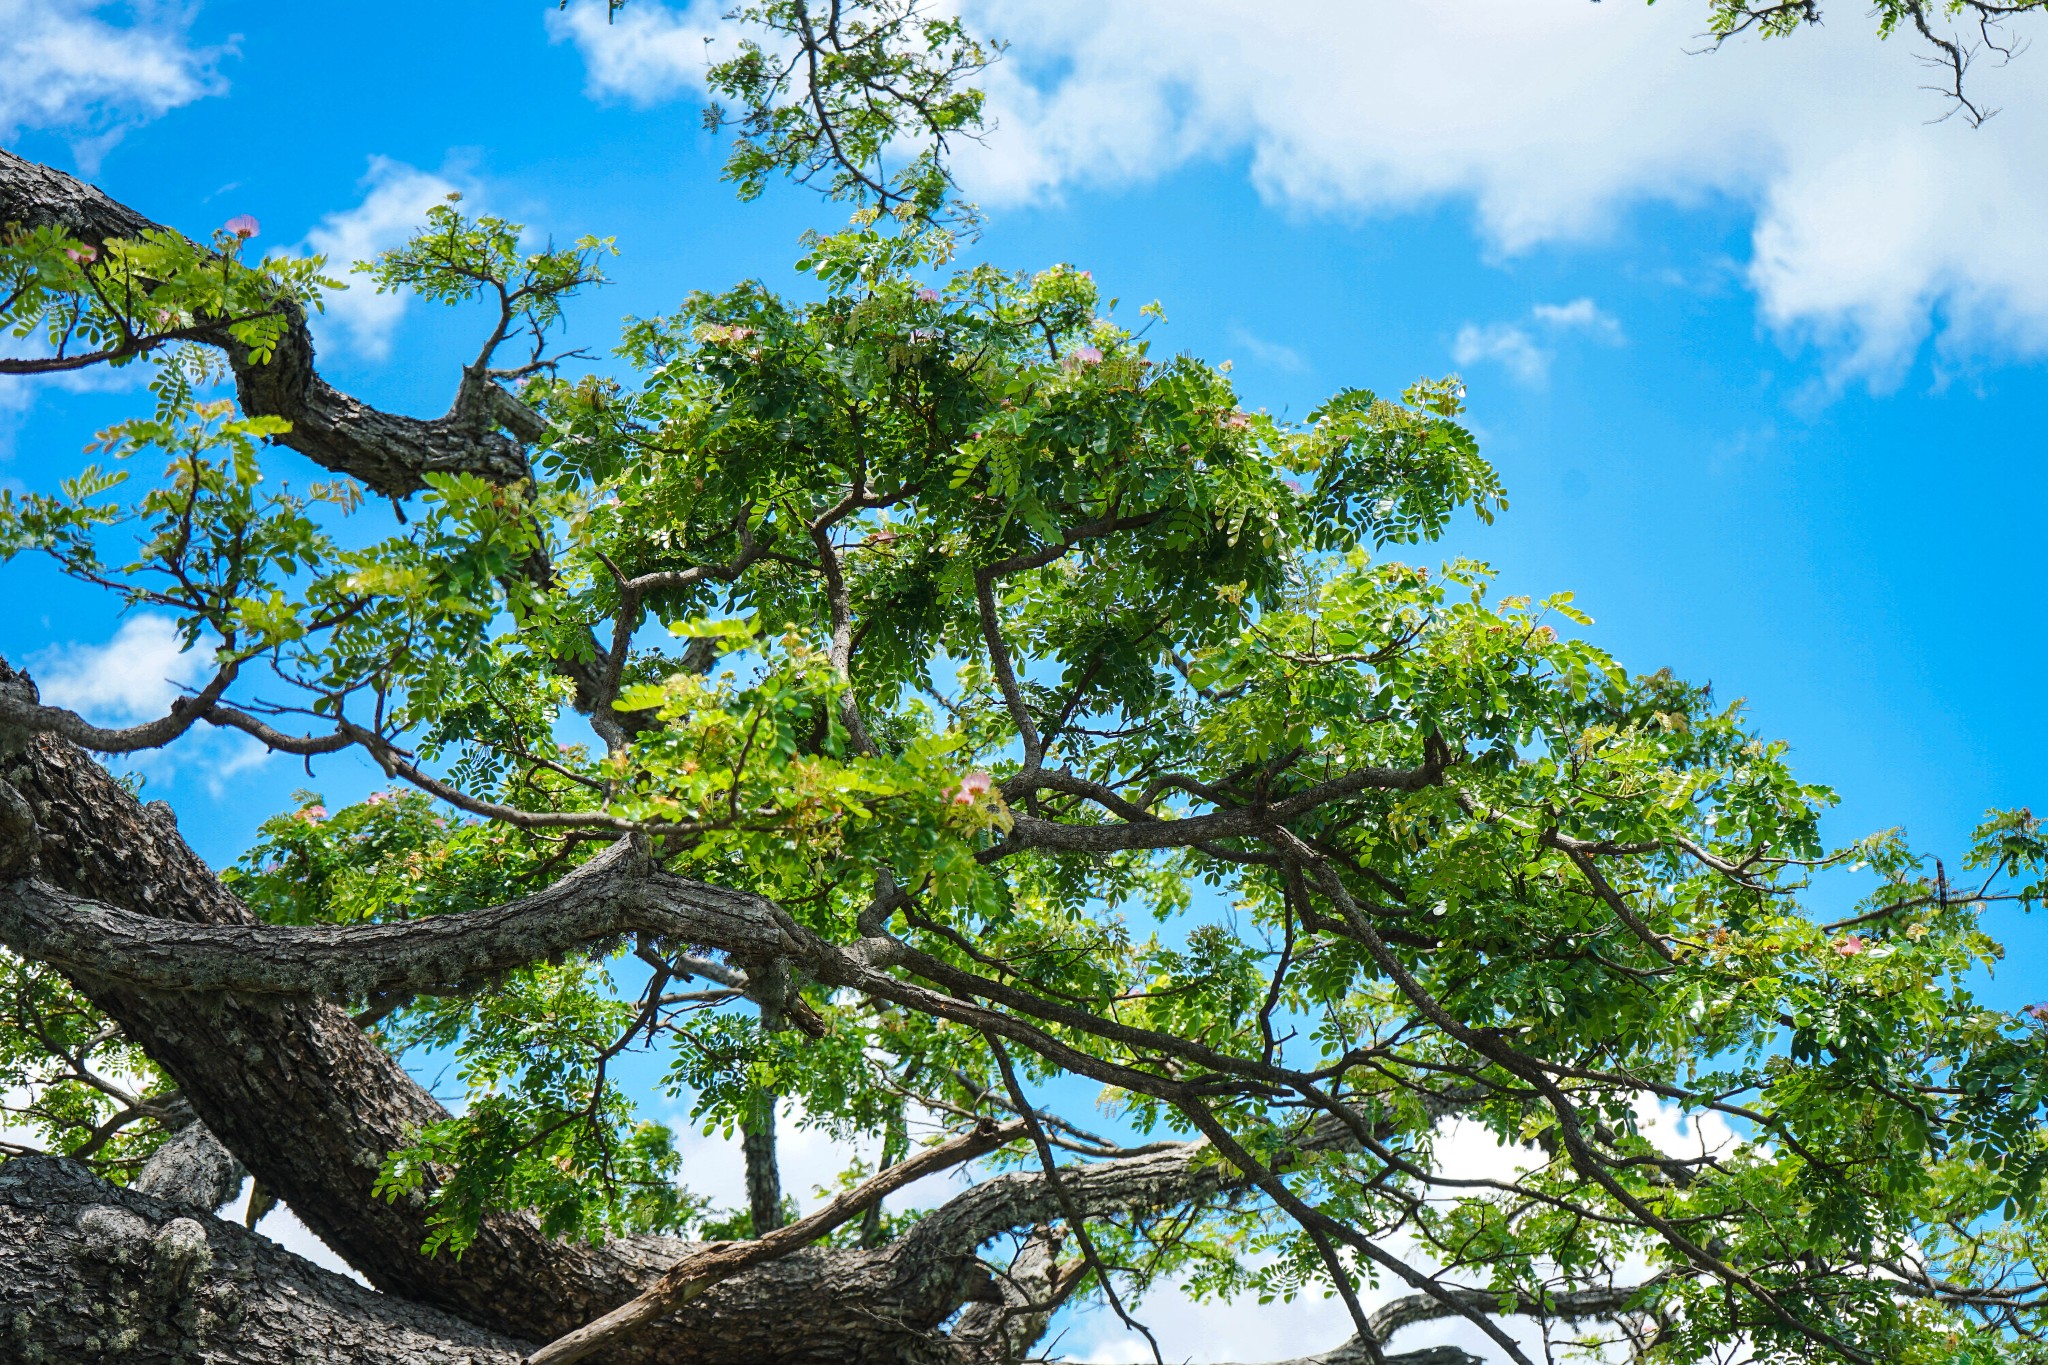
(764, 1172)
(192, 1168)
(90, 1272)
(613, 895)
(311, 1105)
(1351, 1353)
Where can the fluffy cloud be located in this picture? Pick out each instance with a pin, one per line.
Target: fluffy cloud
(396, 198)
(1873, 230)
(133, 677)
(63, 66)
(1522, 348)
(646, 52)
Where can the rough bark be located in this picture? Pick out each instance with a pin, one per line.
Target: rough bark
(90, 1272)
(764, 1173)
(191, 1168)
(387, 452)
(312, 1105)
(1351, 1353)
(612, 895)
(1570, 1306)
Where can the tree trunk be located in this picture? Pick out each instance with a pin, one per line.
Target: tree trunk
(764, 1174)
(312, 1105)
(90, 1272)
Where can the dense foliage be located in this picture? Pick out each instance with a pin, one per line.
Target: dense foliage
(963, 621)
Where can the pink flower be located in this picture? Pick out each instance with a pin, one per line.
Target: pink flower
(242, 225)
(1237, 419)
(313, 815)
(379, 798)
(81, 254)
(1851, 945)
(1085, 355)
(971, 786)
(2037, 1013)
(927, 296)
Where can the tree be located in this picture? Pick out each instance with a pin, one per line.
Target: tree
(1954, 35)
(923, 704)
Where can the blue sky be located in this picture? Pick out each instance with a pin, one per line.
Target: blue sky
(1757, 348)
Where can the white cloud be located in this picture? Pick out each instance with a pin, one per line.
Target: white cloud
(283, 1227)
(133, 677)
(1510, 345)
(1249, 1331)
(647, 52)
(1515, 347)
(18, 392)
(395, 202)
(1578, 315)
(809, 1160)
(1272, 354)
(64, 67)
(1872, 230)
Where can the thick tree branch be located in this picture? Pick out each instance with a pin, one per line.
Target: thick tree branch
(389, 453)
(91, 1272)
(1568, 1305)
(699, 1271)
(614, 894)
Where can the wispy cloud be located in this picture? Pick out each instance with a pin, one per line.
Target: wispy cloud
(1579, 314)
(647, 52)
(1871, 231)
(395, 201)
(134, 677)
(1526, 349)
(1272, 354)
(66, 68)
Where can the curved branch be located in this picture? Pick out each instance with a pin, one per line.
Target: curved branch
(614, 894)
(1571, 1305)
(391, 454)
(699, 1271)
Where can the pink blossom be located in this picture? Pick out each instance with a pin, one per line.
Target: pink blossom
(313, 815)
(1851, 946)
(2037, 1013)
(379, 798)
(81, 254)
(1085, 355)
(971, 786)
(1237, 419)
(927, 296)
(242, 225)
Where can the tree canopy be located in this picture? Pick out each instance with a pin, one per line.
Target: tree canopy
(926, 704)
